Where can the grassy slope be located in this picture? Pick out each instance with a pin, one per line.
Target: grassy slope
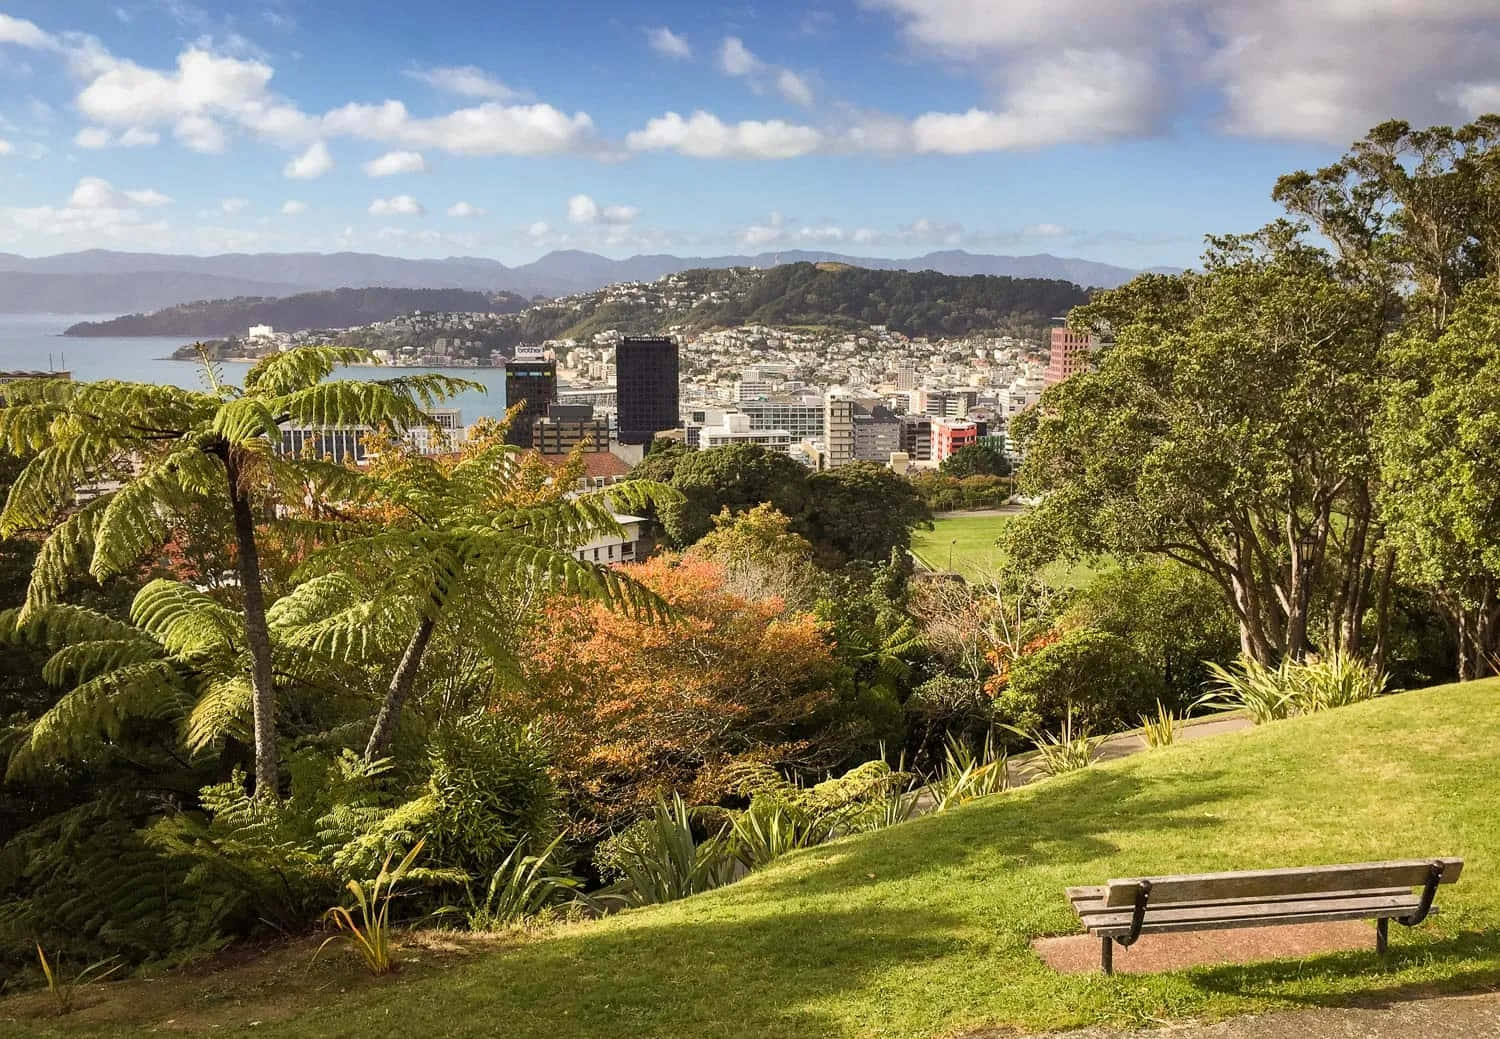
(924, 929)
(975, 554)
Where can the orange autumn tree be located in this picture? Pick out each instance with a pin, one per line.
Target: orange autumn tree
(640, 709)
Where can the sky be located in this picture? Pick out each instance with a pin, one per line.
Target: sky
(1117, 130)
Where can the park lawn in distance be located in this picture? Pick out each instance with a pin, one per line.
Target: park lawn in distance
(924, 929)
(971, 538)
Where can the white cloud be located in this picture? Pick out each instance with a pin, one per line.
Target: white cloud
(668, 44)
(311, 164)
(793, 87)
(584, 210)
(396, 205)
(487, 129)
(98, 193)
(392, 163)
(1304, 69)
(293, 207)
(6, 147)
(137, 137)
(705, 136)
(735, 59)
(464, 210)
(1044, 230)
(203, 84)
(540, 229)
(93, 138)
(465, 80)
(230, 206)
(199, 133)
(25, 34)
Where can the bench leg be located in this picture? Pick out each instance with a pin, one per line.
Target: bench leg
(1382, 935)
(1107, 955)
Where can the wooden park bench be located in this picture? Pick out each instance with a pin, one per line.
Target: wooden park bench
(1123, 910)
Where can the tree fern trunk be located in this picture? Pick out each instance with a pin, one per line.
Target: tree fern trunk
(400, 687)
(257, 636)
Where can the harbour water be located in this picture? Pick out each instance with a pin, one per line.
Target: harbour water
(34, 342)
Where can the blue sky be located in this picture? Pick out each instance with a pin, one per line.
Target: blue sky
(1119, 131)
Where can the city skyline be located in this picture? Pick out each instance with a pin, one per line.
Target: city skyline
(1119, 133)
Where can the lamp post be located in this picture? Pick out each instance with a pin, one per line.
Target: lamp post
(951, 543)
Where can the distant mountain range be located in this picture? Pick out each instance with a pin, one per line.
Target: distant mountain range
(100, 280)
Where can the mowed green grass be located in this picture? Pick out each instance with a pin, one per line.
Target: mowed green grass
(924, 929)
(968, 541)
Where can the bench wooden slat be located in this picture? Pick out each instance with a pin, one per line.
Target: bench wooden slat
(1093, 906)
(1255, 915)
(1201, 887)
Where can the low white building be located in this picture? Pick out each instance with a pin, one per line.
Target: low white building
(736, 430)
(612, 549)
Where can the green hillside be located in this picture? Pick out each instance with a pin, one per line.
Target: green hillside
(923, 929)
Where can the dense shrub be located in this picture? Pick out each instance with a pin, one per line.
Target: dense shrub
(1101, 677)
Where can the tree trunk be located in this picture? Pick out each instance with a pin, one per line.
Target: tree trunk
(257, 636)
(400, 687)
(1383, 611)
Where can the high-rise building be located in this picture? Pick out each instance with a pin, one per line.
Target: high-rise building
(877, 431)
(1069, 353)
(646, 371)
(916, 437)
(800, 416)
(838, 430)
(533, 384)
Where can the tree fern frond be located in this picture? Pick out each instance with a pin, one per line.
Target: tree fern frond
(186, 621)
(245, 419)
(223, 709)
(138, 517)
(82, 661)
(65, 553)
(299, 368)
(55, 625)
(347, 403)
(432, 388)
(313, 599)
(152, 689)
(49, 482)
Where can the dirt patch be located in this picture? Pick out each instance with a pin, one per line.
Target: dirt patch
(1079, 954)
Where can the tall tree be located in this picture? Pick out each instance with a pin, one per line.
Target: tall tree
(1441, 462)
(1228, 427)
(172, 452)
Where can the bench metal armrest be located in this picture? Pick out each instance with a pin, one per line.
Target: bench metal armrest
(1138, 916)
(1429, 892)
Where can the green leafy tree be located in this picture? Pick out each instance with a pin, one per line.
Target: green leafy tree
(1174, 617)
(1441, 463)
(863, 511)
(177, 451)
(737, 477)
(976, 460)
(1230, 428)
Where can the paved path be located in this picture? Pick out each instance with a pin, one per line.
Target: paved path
(1468, 1016)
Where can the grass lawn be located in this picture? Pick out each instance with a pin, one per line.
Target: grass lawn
(923, 929)
(971, 541)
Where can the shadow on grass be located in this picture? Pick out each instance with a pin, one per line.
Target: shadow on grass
(1377, 979)
(659, 972)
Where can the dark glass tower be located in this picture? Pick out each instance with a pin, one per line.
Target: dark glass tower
(645, 388)
(533, 383)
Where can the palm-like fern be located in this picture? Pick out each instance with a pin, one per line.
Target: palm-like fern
(182, 661)
(173, 450)
(460, 542)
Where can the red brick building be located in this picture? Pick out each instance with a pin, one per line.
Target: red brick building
(1070, 353)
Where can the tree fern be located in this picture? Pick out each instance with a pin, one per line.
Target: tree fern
(182, 450)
